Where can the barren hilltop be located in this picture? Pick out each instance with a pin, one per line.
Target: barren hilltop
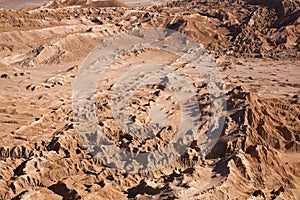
(255, 46)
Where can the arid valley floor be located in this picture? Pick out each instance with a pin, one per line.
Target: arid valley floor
(256, 47)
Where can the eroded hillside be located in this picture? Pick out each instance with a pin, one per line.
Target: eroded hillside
(256, 47)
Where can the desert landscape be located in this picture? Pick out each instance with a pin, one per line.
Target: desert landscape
(252, 151)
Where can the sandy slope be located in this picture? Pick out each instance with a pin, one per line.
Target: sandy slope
(18, 4)
(256, 47)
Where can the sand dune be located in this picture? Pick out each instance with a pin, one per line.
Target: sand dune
(18, 4)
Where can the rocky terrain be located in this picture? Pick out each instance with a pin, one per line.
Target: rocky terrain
(20, 4)
(255, 45)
